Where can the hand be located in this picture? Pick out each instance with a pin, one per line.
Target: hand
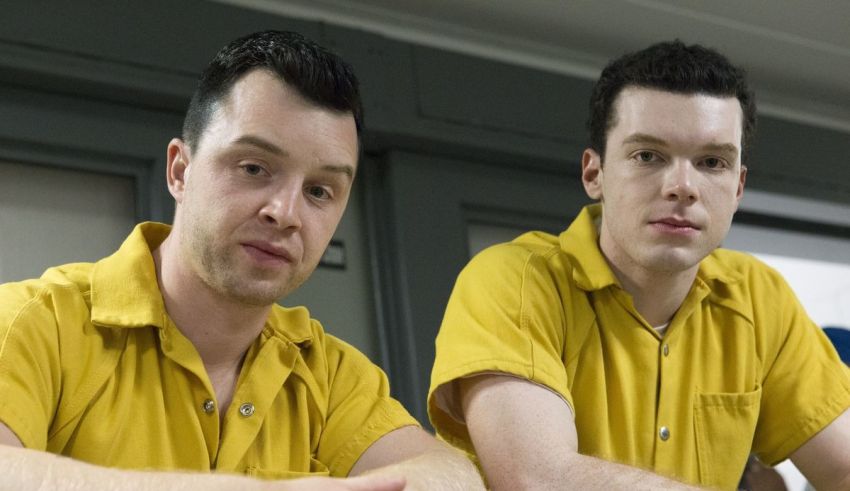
(360, 483)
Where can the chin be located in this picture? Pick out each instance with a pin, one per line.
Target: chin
(674, 262)
(255, 298)
(256, 292)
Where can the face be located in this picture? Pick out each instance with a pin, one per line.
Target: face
(260, 197)
(671, 180)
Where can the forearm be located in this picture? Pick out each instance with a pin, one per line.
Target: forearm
(525, 438)
(24, 469)
(590, 473)
(825, 458)
(442, 468)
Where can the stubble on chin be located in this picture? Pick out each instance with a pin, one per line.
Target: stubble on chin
(240, 284)
(216, 268)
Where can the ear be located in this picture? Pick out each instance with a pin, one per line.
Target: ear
(742, 179)
(591, 173)
(178, 162)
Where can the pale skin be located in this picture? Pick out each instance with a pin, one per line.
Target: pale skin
(671, 181)
(257, 201)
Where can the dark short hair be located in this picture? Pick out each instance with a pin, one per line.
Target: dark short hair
(674, 67)
(315, 73)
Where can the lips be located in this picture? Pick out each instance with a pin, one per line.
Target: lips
(267, 250)
(675, 222)
(675, 227)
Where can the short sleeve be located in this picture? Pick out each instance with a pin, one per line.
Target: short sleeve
(505, 315)
(360, 409)
(30, 371)
(805, 387)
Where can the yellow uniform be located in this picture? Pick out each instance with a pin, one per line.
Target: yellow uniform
(740, 366)
(92, 367)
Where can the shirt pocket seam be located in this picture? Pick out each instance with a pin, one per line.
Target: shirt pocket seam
(714, 408)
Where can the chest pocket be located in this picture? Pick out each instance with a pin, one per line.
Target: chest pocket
(724, 424)
(317, 469)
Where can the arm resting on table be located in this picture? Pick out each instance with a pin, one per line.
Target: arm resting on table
(424, 461)
(525, 437)
(23, 469)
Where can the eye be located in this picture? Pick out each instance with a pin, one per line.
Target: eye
(319, 192)
(646, 157)
(252, 169)
(713, 163)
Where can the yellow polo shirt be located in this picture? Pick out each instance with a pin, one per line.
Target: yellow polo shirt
(740, 366)
(91, 367)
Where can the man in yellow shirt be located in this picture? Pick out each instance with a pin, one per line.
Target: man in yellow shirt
(171, 355)
(630, 352)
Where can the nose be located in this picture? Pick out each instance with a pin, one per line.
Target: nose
(679, 182)
(282, 209)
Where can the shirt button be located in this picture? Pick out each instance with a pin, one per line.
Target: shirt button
(208, 406)
(665, 349)
(664, 433)
(246, 409)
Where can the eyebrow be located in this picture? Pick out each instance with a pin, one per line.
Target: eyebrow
(710, 147)
(270, 147)
(340, 169)
(644, 138)
(262, 144)
(721, 148)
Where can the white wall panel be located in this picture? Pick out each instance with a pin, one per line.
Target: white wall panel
(51, 216)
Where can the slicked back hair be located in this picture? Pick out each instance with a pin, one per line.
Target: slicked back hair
(673, 67)
(318, 75)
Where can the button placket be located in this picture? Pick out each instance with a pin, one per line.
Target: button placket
(663, 431)
(259, 386)
(666, 410)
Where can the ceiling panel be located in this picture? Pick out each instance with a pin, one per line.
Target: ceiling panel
(797, 53)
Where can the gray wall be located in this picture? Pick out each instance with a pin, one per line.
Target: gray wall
(450, 140)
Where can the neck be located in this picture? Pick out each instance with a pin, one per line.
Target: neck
(656, 295)
(221, 328)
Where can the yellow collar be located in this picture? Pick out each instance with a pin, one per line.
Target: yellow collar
(125, 292)
(592, 272)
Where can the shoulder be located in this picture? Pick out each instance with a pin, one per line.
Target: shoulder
(316, 346)
(743, 275)
(529, 278)
(744, 284)
(533, 253)
(742, 262)
(530, 244)
(61, 292)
